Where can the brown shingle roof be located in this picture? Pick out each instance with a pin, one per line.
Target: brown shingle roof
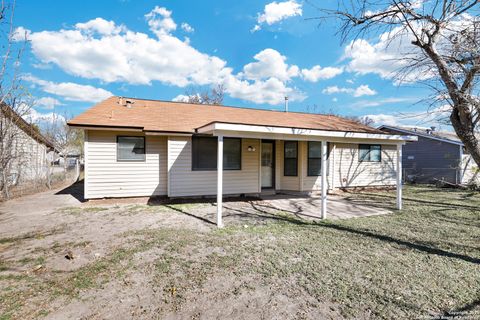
(154, 115)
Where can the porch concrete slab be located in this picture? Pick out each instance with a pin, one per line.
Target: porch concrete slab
(310, 206)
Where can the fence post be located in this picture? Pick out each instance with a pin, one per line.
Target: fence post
(77, 170)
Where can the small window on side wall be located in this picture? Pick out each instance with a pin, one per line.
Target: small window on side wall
(130, 148)
(290, 159)
(370, 153)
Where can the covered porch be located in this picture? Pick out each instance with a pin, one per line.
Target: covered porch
(320, 205)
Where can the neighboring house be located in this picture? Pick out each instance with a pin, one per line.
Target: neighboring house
(136, 147)
(30, 151)
(435, 155)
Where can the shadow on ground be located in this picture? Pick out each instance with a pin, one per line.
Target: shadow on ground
(76, 190)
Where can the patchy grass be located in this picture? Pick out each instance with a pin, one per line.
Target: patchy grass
(82, 210)
(421, 262)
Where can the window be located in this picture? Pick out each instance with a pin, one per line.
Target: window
(204, 153)
(314, 158)
(290, 163)
(370, 153)
(232, 154)
(130, 148)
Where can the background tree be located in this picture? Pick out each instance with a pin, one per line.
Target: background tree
(15, 100)
(212, 96)
(440, 42)
(67, 140)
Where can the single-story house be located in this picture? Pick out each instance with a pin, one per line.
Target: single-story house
(139, 147)
(29, 151)
(435, 155)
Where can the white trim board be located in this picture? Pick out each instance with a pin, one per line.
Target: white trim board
(285, 133)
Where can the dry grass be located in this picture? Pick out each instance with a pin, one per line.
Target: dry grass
(422, 262)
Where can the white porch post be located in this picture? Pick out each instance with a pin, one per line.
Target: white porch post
(324, 178)
(219, 181)
(399, 176)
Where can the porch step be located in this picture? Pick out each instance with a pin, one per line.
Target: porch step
(268, 192)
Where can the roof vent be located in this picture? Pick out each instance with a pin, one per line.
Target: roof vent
(286, 103)
(125, 102)
(129, 103)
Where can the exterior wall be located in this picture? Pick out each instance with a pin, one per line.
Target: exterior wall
(167, 169)
(344, 169)
(29, 156)
(428, 159)
(349, 172)
(106, 177)
(183, 181)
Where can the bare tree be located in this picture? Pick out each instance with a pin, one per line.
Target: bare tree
(212, 96)
(443, 43)
(15, 100)
(66, 139)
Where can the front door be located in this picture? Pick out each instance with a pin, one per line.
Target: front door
(268, 164)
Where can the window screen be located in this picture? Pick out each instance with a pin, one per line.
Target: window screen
(370, 153)
(290, 163)
(131, 148)
(314, 158)
(204, 153)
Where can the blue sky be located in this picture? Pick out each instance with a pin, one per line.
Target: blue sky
(82, 51)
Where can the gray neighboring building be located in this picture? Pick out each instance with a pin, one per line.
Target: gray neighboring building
(436, 155)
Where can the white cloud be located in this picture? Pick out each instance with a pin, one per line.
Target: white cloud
(21, 34)
(275, 12)
(48, 103)
(181, 98)
(270, 63)
(101, 26)
(392, 51)
(101, 49)
(187, 28)
(33, 116)
(317, 73)
(380, 102)
(160, 21)
(436, 117)
(362, 90)
(271, 91)
(130, 57)
(70, 91)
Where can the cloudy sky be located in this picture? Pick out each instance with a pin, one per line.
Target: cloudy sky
(84, 51)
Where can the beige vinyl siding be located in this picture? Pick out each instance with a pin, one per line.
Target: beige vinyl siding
(107, 177)
(183, 181)
(349, 172)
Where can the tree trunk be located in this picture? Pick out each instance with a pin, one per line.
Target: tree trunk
(6, 194)
(466, 133)
(461, 116)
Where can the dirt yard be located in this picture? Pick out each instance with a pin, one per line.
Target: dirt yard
(61, 258)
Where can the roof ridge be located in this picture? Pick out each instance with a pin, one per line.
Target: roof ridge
(233, 107)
